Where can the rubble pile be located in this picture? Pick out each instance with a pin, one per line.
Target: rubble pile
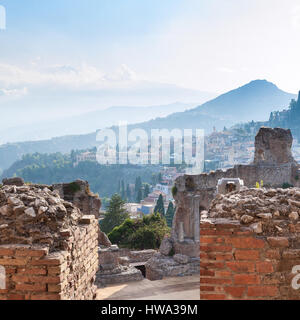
(36, 215)
(265, 211)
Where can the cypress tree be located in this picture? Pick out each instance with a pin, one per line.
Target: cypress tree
(170, 214)
(139, 196)
(115, 215)
(159, 208)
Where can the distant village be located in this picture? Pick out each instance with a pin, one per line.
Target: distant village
(223, 150)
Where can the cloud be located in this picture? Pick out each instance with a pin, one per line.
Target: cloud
(64, 76)
(296, 17)
(226, 70)
(14, 92)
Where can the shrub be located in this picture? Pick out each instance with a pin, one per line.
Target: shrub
(145, 233)
(286, 185)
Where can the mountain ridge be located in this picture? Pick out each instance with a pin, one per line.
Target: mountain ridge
(196, 118)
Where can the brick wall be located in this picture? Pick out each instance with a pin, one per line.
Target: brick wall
(32, 273)
(237, 264)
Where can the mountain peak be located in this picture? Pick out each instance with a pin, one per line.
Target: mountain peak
(257, 85)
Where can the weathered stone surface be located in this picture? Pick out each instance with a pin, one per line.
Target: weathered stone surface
(160, 266)
(141, 255)
(294, 216)
(115, 269)
(49, 254)
(23, 209)
(246, 218)
(125, 274)
(265, 211)
(182, 259)
(103, 239)
(273, 146)
(78, 192)
(257, 227)
(13, 182)
(166, 246)
(273, 164)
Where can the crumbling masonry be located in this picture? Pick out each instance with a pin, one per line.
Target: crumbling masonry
(250, 238)
(48, 248)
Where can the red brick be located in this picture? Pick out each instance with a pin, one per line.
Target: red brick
(223, 233)
(34, 271)
(207, 273)
(212, 265)
(15, 296)
(223, 256)
(207, 232)
(246, 279)
(9, 270)
(46, 262)
(235, 292)
(3, 291)
(203, 255)
(241, 266)
(262, 291)
(51, 296)
(215, 280)
(20, 278)
(31, 253)
(219, 248)
(264, 267)
(7, 252)
(247, 255)
(13, 262)
(41, 279)
(207, 288)
(246, 243)
(31, 287)
(244, 233)
(278, 241)
(212, 297)
(223, 274)
(54, 288)
(207, 240)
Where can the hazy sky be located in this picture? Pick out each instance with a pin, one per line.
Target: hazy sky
(207, 45)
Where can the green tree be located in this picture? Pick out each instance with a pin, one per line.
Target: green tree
(146, 190)
(170, 214)
(146, 233)
(139, 197)
(123, 192)
(138, 184)
(159, 208)
(115, 215)
(128, 192)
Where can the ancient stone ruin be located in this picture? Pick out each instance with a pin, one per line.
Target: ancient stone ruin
(78, 192)
(179, 254)
(227, 185)
(115, 269)
(273, 164)
(249, 245)
(273, 147)
(249, 238)
(48, 248)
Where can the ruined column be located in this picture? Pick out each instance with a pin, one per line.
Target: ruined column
(196, 218)
(181, 232)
